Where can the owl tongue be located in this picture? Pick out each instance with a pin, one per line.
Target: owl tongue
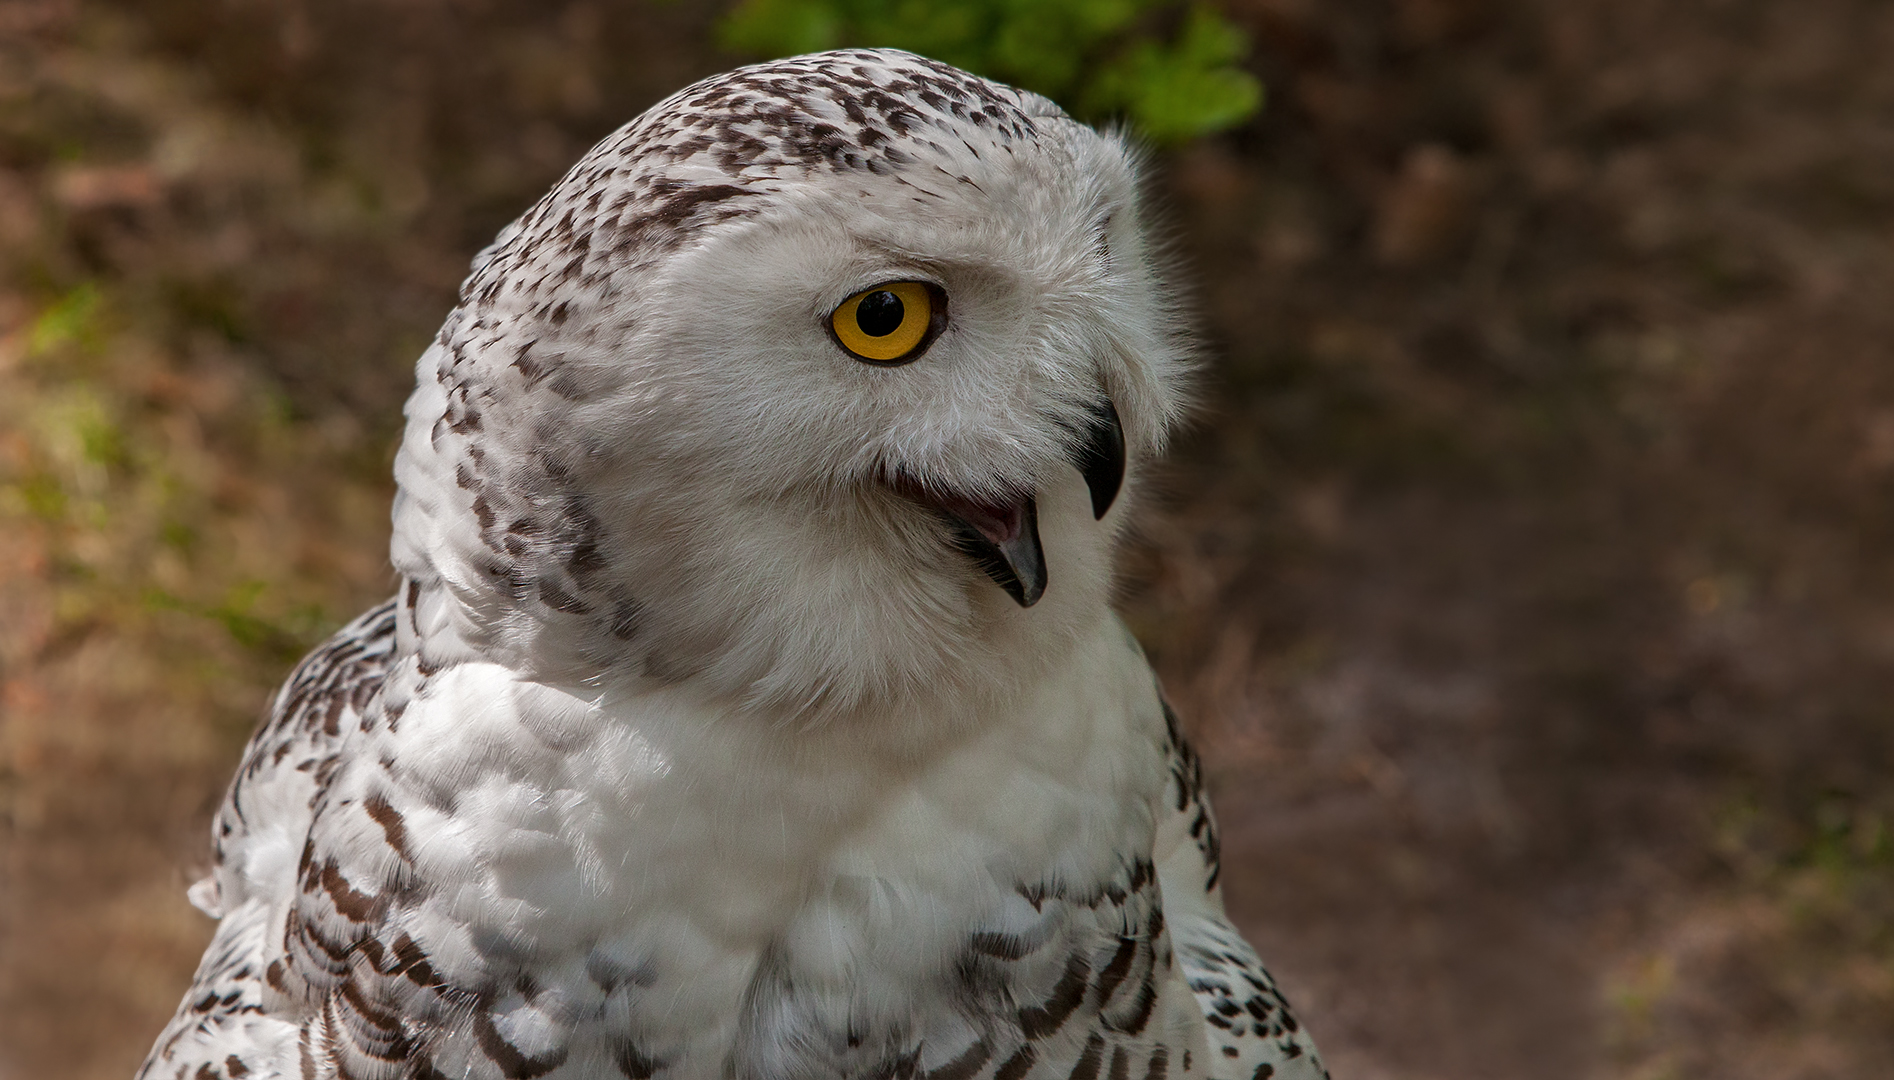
(997, 523)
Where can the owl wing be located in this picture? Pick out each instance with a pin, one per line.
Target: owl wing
(1252, 1031)
(220, 1031)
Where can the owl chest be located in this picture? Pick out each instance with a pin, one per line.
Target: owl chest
(716, 940)
(852, 968)
(621, 902)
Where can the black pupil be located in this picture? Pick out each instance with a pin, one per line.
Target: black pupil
(880, 313)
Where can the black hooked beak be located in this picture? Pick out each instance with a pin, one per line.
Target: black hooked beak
(1002, 537)
(1102, 459)
(1011, 554)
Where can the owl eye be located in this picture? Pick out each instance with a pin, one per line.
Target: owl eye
(891, 323)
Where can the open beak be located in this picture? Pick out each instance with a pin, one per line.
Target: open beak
(1002, 537)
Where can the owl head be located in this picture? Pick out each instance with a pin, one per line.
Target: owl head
(818, 389)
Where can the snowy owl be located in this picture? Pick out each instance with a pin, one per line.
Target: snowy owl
(752, 705)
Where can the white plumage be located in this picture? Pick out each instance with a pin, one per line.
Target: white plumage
(753, 706)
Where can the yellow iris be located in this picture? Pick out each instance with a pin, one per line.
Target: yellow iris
(887, 323)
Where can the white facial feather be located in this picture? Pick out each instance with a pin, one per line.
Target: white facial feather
(637, 453)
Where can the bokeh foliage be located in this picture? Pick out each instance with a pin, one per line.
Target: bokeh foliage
(1171, 71)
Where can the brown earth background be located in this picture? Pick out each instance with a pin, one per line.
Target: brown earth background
(1526, 580)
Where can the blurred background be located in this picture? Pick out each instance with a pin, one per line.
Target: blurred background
(1526, 580)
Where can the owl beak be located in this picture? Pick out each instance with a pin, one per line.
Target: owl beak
(1101, 458)
(1004, 542)
(1001, 536)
